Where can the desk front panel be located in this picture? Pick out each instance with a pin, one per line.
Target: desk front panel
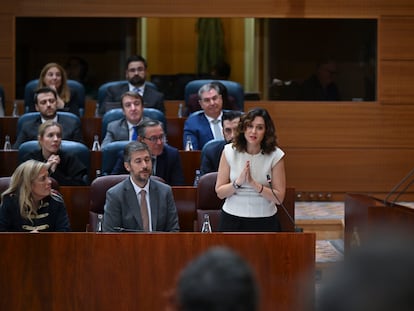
(88, 271)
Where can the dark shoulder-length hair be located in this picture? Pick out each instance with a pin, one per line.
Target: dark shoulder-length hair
(269, 142)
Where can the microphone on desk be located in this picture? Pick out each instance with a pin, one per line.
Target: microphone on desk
(397, 186)
(121, 229)
(269, 181)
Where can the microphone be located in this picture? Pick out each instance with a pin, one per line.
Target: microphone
(121, 229)
(269, 181)
(397, 186)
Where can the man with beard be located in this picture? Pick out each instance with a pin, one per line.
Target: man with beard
(140, 203)
(136, 74)
(45, 100)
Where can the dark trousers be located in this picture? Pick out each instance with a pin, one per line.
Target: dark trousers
(231, 223)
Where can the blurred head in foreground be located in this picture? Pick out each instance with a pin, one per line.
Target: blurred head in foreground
(377, 276)
(218, 280)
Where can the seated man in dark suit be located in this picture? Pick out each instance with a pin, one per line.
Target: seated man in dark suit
(205, 125)
(45, 100)
(166, 161)
(211, 152)
(136, 74)
(126, 128)
(140, 203)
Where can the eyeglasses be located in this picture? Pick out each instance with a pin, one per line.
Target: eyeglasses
(155, 139)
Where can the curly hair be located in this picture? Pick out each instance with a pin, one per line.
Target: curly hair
(269, 142)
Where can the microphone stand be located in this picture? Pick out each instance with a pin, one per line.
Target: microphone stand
(269, 180)
(399, 193)
(121, 229)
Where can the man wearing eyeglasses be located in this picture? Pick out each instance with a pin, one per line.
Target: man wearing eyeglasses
(45, 100)
(205, 125)
(136, 74)
(166, 161)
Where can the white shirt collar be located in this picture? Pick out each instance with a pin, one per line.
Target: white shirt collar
(138, 188)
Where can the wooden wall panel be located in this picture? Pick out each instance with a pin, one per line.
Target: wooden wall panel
(227, 8)
(7, 79)
(344, 147)
(341, 125)
(7, 58)
(395, 82)
(347, 170)
(6, 36)
(394, 33)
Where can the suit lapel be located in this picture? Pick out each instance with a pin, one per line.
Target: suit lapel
(154, 203)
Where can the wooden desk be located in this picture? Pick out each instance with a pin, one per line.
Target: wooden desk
(96, 164)
(77, 205)
(8, 126)
(190, 161)
(175, 130)
(91, 126)
(365, 214)
(185, 201)
(8, 162)
(129, 271)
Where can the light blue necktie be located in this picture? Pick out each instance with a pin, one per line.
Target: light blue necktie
(218, 134)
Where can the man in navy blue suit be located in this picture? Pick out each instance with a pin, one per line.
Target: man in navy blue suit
(136, 74)
(166, 161)
(205, 125)
(211, 152)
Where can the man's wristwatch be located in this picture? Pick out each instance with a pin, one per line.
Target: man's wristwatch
(235, 185)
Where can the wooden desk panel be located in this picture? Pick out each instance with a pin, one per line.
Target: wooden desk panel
(185, 201)
(8, 126)
(77, 204)
(365, 215)
(190, 161)
(8, 162)
(175, 130)
(88, 271)
(96, 164)
(91, 126)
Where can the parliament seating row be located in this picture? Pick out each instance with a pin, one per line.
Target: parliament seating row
(190, 163)
(92, 126)
(84, 203)
(189, 200)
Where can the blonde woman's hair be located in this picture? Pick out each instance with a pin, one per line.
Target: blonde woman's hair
(63, 91)
(21, 186)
